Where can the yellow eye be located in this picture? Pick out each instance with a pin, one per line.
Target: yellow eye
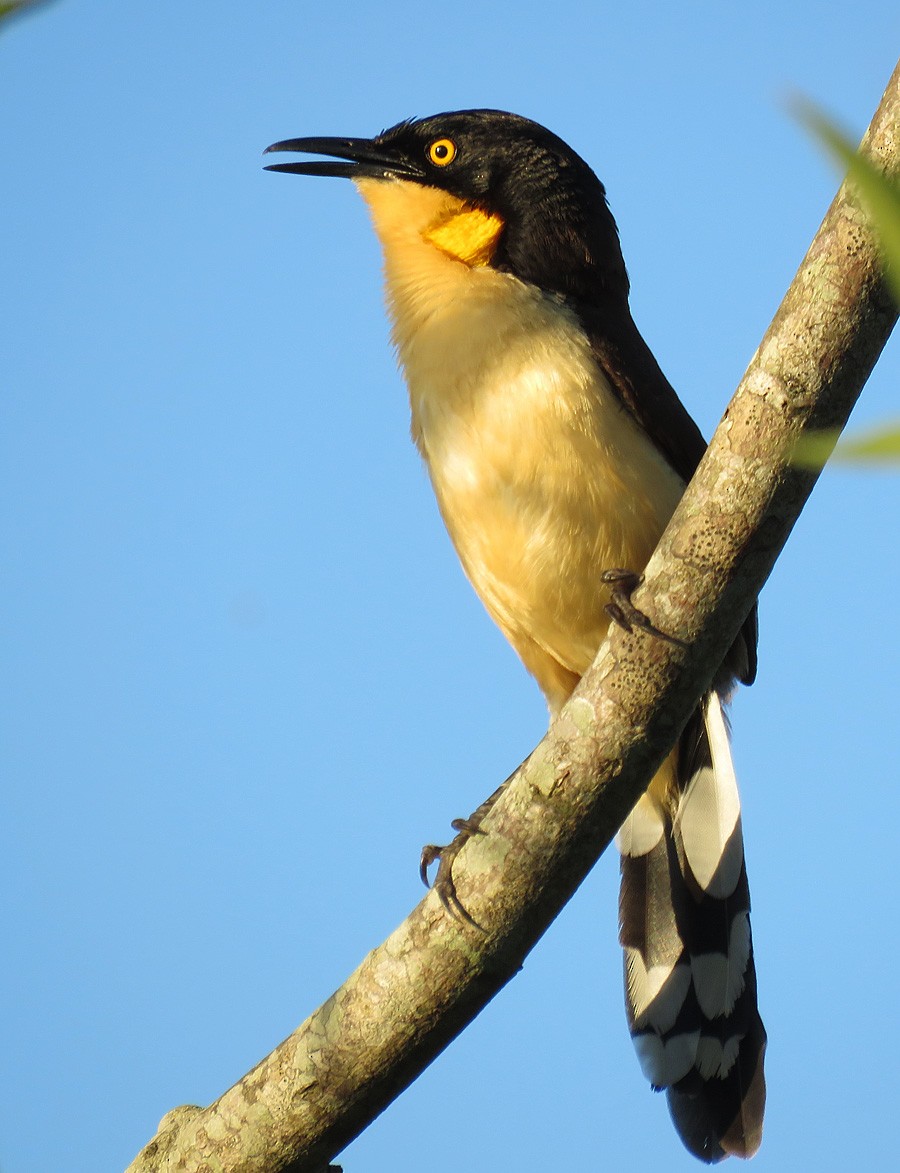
(442, 151)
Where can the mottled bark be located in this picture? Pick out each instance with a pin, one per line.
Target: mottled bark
(410, 996)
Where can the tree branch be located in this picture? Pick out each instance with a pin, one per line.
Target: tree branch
(412, 995)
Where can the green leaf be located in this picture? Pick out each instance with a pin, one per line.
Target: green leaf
(879, 445)
(15, 7)
(880, 194)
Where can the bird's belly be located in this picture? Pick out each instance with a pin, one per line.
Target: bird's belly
(535, 534)
(543, 479)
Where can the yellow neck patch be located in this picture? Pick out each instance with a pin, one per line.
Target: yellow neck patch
(469, 236)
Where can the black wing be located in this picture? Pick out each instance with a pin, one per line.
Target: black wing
(636, 378)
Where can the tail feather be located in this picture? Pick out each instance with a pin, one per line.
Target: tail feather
(685, 928)
(708, 819)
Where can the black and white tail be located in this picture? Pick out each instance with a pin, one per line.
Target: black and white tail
(684, 915)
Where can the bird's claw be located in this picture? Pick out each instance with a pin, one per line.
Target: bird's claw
(623, 612)
(443, 880)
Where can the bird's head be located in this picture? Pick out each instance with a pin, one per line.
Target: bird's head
(486, 188)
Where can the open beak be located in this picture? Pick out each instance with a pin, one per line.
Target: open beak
(366, 158)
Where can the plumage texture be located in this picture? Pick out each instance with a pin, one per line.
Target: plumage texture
(557, 449)
(542, 477)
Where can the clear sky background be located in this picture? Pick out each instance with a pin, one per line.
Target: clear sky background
(244, 678)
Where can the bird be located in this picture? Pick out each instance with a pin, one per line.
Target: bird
(558, 450)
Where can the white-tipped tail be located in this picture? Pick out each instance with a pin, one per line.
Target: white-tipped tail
(690, 982)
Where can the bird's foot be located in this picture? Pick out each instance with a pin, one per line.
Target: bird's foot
(621, 609)
(465, 829)
(443, 880)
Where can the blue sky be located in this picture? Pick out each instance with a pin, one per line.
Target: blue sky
(245, 678)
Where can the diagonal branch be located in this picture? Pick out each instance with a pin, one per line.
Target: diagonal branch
(412, 995)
